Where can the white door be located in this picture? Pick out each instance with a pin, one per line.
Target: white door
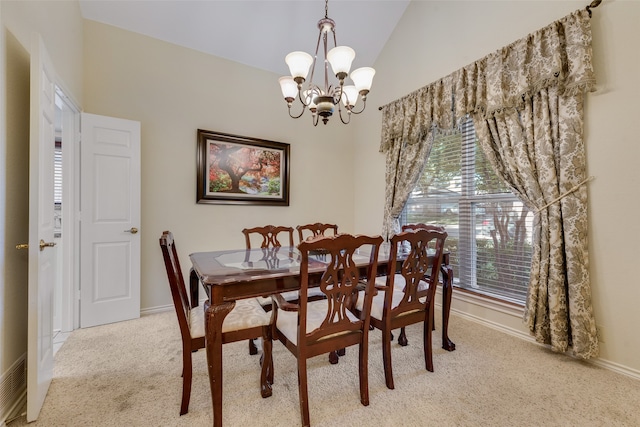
(42, 254)
(110, 220)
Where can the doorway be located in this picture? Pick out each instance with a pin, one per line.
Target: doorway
(116, 294)
(66, 155)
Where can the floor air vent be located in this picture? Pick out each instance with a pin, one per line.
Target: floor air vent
(12, 384)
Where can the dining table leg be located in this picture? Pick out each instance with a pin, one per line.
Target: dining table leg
(214, 316)
(447, 289)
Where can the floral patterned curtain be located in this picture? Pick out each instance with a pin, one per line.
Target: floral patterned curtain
(407, 138)
(526, 102)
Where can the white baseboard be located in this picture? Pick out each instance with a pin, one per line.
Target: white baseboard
(616, 367)
(516, 313)
(162, 308)
(155, 310)
(494, 325)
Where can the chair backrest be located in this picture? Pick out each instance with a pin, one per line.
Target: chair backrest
(176, 283)
(422, 226)
(313, 230)
(425, 252)
(339, 283)
(269, 235)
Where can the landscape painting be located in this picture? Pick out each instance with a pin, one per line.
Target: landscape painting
(240, 170)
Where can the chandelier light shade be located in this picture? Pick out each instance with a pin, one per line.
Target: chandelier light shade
(289, 87)
(299, 63)
(322, 100)
(349, 96)
(340, 58)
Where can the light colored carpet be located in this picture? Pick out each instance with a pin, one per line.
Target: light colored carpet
(128, 374)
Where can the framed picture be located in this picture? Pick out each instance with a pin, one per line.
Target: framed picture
(238, 170)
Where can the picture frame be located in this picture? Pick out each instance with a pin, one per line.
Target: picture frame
(239, 170)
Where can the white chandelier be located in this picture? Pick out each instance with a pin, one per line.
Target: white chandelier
(321, 101)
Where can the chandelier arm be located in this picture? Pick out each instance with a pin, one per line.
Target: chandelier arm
(348, 116)
(326, 65)
(364, 105)
(315, 59)
(340, 113)
(304, 107)
(304, 104)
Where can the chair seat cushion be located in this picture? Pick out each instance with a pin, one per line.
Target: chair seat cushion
(291, 296)
(247, 313)
(399, 283)
(264, 301)
(377, 304)
(288, 296)
(287, 322)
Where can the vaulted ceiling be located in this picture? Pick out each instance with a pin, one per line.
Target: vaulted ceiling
(257, 33)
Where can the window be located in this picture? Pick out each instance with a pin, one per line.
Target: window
(57, 188)
(57, 173)
(489, 228)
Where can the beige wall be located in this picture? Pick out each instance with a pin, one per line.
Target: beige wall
(434, 39)
(174, 91)
(60, 25)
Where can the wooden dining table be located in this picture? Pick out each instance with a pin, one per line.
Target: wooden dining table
(230, 275)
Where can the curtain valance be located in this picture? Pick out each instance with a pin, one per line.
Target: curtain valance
(557, 55)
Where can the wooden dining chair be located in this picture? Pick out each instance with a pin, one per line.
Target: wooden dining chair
(407, 297)
(268, 236)
(422, 226)
(402, 338)
(311, 328)
(316, 229)
(246, 320)
(307, 231)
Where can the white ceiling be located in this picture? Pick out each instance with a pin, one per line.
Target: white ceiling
(258, 33)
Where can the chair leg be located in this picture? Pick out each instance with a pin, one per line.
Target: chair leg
(386, 358)
(186, 380)
(402, 339)
(333, 355)
(363, 371)
(303, 392)
(428, 353)
(266, 375)
(252, 347)
(270, 365)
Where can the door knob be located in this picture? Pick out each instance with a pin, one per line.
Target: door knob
(44, 244)
(133, 230)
